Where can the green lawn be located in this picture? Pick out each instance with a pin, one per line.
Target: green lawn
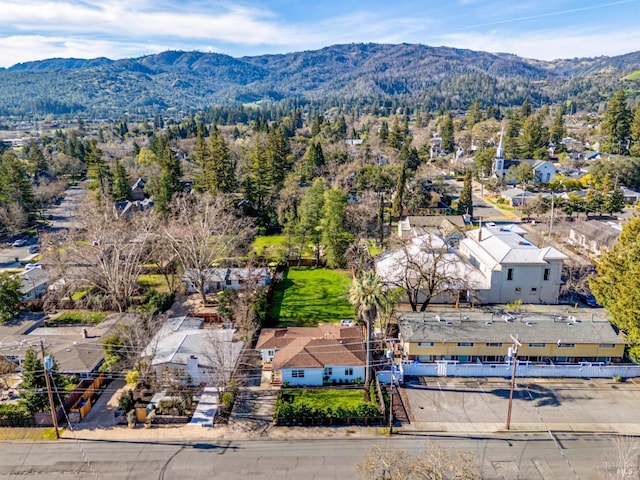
(157, 282)
(307, 296)
(320, 399)
(77, 318)
(275, 247)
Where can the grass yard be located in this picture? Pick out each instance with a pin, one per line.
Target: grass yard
(18, 433)
(77, 318)
(320, 399)
(308, 296)
(158, 282)
(275, 247)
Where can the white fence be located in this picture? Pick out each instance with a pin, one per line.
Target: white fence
(523, 369)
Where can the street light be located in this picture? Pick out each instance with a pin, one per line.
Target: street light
(513, 354)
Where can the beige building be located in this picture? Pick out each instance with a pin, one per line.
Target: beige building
(475, 336)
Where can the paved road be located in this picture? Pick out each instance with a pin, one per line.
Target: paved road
(59, 217)
(502, 457)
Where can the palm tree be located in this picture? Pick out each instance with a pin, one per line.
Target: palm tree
(368, 296)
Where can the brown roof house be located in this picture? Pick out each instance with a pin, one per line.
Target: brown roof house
(313, 356)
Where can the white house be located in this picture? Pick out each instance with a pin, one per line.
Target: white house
(544, 171)
(236, 278)
(182, 349)
(34, 284)
(313, 356)
(514, 268)
(491, 265)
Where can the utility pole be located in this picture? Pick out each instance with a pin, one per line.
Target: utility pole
(390, 355)
(47, 364)
(513, 354)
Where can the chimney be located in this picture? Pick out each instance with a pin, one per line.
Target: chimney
(84, 333)
(480, 234)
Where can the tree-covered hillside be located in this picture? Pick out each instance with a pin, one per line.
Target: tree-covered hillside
(429, 77)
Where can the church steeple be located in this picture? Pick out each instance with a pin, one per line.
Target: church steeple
(498, 163)
(500, 150)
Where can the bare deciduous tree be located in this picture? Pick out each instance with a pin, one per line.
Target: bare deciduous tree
(106, 255)
(426, 268)
(204, 230)
(624, 460)
(433, 463)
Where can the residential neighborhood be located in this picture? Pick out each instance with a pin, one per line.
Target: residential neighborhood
(300, 274)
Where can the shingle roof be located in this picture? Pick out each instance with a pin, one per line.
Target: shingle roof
(320, 352)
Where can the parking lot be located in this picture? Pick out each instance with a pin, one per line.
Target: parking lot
(480, 404)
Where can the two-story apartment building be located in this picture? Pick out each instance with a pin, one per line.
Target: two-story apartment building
(483, 337)
(514, 268)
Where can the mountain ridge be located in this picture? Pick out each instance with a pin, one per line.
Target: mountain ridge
(190, 80)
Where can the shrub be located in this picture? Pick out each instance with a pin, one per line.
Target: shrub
(126, 402)
(132, 378)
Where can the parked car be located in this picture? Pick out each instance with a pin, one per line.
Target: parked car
(21, 242)
(34, 249)
(32, 266)
(588, 299)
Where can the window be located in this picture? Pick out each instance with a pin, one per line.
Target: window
(297, 373)
(348, 372)
(328, 371)
(425, 344)
(566, 345)
(606, 345)
(271, 353)
(464, 358)
(465, 344)
(494, 345)
(547, 273)
(518, 289)
(510, 274)
(534, 289)
(537, 345)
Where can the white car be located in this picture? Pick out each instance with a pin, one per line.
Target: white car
(21, 242)
(32, 266)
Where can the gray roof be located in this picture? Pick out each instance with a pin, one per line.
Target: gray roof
(181, 338)
(479, 326)
(507, 247)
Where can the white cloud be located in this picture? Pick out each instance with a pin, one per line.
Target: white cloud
(549, 45)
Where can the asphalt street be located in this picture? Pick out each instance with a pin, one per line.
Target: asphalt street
(537, 456)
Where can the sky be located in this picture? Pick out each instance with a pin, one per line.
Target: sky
(541, 29)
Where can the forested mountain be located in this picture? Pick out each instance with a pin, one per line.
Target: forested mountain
(365, 74)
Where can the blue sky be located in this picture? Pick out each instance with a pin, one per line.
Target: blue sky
(542, 29)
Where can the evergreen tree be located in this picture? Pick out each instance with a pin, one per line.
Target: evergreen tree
(397, 206)
(335, 236)
(635, 133)
(311, 208)
(533, 138)
(98, 170)
(617, 125)
(15, 189)
(465, 202)
(224, 176)
(474, 115)
(526, 109)
(558, 129)
(384, 131)
(33, 389)
(203, 175)
(446, 133)
(617, 284)
(121, 186)
(313, 161)
(396, 135)
(9, 297)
